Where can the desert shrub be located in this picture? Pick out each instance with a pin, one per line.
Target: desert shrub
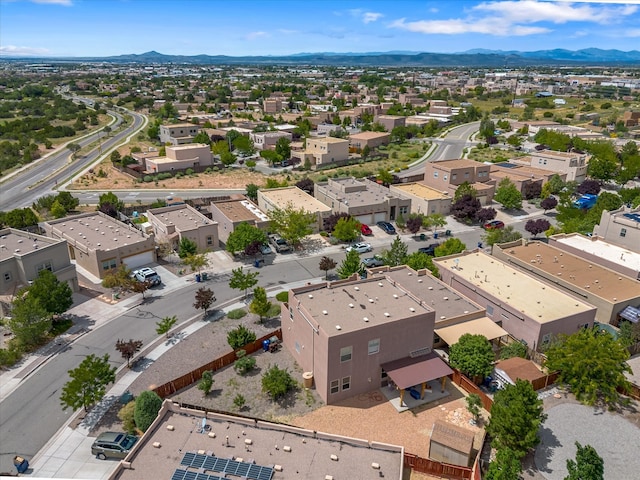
(146, 410)
(240, 336)
(277, 382)
(239, 401)
(237, 314)
(147, 179)
(126, 415)
(282, 296)
(244, 363)
(189, 171)
(206, 383)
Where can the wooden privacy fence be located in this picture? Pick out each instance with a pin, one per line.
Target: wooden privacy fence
(467, 385)
(187, 379)
(431, 467)
(544, 382)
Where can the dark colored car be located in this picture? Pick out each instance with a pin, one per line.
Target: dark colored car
(113, 445)
(494, 225)
(429, 250)
(387, 227)
(365, 230)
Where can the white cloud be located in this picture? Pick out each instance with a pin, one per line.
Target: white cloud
(12, 50)
(257, 35)
(65, 3)
(285, 31)
(369, 17)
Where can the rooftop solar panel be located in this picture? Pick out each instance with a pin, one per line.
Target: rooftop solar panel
(223, 465)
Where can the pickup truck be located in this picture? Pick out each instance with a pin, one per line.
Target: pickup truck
(279, 243)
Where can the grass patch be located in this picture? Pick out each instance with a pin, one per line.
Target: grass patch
(236, 314)
(282, 296)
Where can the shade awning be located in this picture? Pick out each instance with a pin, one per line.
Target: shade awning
(480, 326)
(407, 372)
(630, 313)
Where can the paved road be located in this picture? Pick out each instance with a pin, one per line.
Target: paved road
(147, 196)
(43, 177)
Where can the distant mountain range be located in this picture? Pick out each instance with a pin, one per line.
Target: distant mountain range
(470, 58)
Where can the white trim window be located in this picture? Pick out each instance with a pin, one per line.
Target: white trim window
(346, 354)
(374, 346)
(334, 387)
(346, 383)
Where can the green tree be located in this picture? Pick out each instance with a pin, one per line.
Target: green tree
(196, 262)
(593, 364)
(228, 158)
(244, 145)
(291, 223)
(501, 235)
(277, 382)
(243, 235)
(465, 188)
(508, 195)
(111, 199)
(206, 382)
(260, 305)
(451, 246)
(472, 355)
(57, 210)
(241, 280)
(118, 278)
(252, 192)
(474, 403)
(434, 220)
(283, 148)
(204, 299)
(326, 264)
(347, 229)
(366, 151)
(420, 260)
(19, 218)
(187, 248)
(164, 326)
(55, 296)
(244, 363)
(88, 383)
(74, 148)
(240, 336)
(350, 265)
(513, 349)
(397, 253)
(128, 349)
(385, 177)
(588, 465)
(602, 168)
(29, 321)
(516, 416)
(126, 416)
(68, 201)
(506, 466)
(148, 404)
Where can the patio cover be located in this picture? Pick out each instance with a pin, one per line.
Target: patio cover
(481, 326)
(631, 313)
(407, 372)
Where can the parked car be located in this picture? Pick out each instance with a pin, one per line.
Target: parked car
(360, 247)
(265, 249)
(375, 261)
(430, 249)
(147, 274)
(494, 225)
(279, 243)
(365, 230)
(387, 227)
(113, 445)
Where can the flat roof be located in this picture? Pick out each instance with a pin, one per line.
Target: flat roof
(16, 243)
(368, 135)
(511, 286)
(481, 326)
(458, 163)
(309, 455)
(602, 249)
(184, 217)
(329, 140)
(352, 306)
(370, 193)
(187, 146)
(421, 190)
(97, 231)
(299, 198)
(407, 372)
(447, 302)
(181, 125)
(578, 272)
(240, 210)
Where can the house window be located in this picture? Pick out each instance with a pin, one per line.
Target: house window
(623, 232)
(466, 174)
(345, 354)
(346, 383)
(435, 174)
(374, 346)
(335, 386)
(209, 240)
(109, 264)
(403, 210)
(7, 276)
(454, 176)
(436, 339)
(44, 266)
(444, 177)
(489, 310)
(291, 313)
(546, 339)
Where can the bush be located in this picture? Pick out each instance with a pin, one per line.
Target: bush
(283, 296)
(244, 364)
(147, 179)
(164, 176)
(126, 415)
(277, 382)
(10, 356)
(189, 171)
(239, 401)
(237, 314)
(240, 336)
(206, 383)
(146, 410)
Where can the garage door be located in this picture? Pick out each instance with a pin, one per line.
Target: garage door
(135, 261)
(366, 219)
(380, 217)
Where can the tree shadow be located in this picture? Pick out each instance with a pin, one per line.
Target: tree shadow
(310, 246)
(141, 364)
(544, 452)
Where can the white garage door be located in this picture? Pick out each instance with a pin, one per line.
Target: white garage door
(380, 217)
(366, 219)
(135, 261)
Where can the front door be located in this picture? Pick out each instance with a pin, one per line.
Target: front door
(392, 213)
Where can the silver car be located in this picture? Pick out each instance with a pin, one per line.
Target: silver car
(113, 445)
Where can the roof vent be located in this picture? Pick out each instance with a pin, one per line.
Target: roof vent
(366, 319)
(310, 296)
(442, 317)
(371, 300)
(324, 312)
(380, 284)
(338, 327)
(411, 309)
(357, 289)
(430, 288)
(445, 298)
(419, 280)
(395, 296)
(387, 314)
(351, 305)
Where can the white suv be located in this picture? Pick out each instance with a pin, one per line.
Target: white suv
(147, 274)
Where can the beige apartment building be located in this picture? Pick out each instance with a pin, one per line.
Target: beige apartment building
(24, 255)
(389, 122)
(279, 198)
(323, 151)
(268, 140)
(424, 199)
(529, 309)
(366, 201)
(368, 139)
(621, 227)
(174, 223)
(99, 243)
(179, 133)
(609, 291)
(234, 211)
(573, 165)
(180, 157)
(447, 175)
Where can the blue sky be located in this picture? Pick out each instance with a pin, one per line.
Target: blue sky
(279, 27)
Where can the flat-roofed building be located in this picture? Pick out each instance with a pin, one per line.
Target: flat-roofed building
(447, 175)
(99, 243)
(321, 151)
(24, 255)
(573, 165)
(272, 105)
(298, 453)
(524, 181)
(527, 308)
(234, 211)
(280, 198)
(174, 223)
(389, 122)
(597, 250)
(345, 331)
(268, 140)
(178, 133)
(366, 201)
(368, 139)
(424, 199)
(181, 157)
(609, 291)
(621, 227)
